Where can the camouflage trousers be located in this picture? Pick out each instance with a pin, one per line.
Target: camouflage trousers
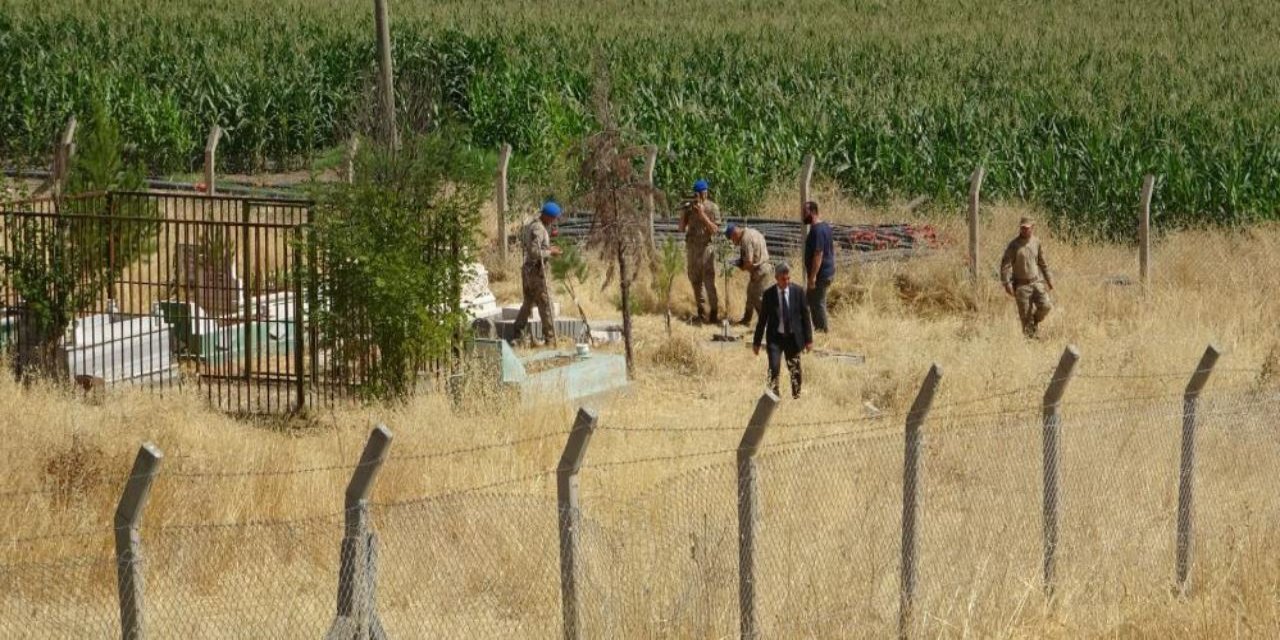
(1033, 306)
(757, 282)
(536, 294)
(701, 266)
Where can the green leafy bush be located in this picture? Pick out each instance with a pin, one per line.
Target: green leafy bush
(392, 249)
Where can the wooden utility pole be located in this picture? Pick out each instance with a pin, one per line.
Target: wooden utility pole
(386, 79)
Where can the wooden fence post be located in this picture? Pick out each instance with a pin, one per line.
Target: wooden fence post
(1052, 423)
(975, 192)
(748, 508)
(129, 541)
(357, 617)
(62, 154)
(650, 163)
(1186, 475)
(386, 77)
(1144, 230)
(353, 146)
(504, 158)
(211, 160)
(806, 180)
(570, 519)
(910, 496)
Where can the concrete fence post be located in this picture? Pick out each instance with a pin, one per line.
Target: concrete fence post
(500, 198)
(357, 617)
(211, 160)
(650, 163)
(748, 512)
(570, 519)
(1144, 230)
(1186, 473)
(975, 194)
(910, 496)
(129, 540)
(1052, 423)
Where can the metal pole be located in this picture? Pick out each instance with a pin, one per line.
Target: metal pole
(1052, 423)
(1144, 230)
(975, 192)
(910, 496)
(248, 348)
(748, 508)
(386, 82)
(504, 158)
(357, 610)
(210, 160)
(570, 519)
(299, 328)
(1186, 477)
(129, 541)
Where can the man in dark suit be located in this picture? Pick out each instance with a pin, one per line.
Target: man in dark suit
(785, 319)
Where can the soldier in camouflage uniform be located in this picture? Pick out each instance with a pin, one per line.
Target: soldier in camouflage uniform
(698, 221)
(1025, 275)
(536, 241)
(753, 257)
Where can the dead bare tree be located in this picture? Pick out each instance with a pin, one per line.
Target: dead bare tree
(616, 193)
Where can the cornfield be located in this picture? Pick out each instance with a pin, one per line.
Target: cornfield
(1067, 104)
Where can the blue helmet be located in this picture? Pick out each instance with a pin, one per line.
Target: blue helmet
(728, 231)
(551, 209)
(700, 186)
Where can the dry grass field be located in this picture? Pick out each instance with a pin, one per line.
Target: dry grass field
(241, 535)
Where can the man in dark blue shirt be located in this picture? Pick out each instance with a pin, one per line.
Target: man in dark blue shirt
(819, 264)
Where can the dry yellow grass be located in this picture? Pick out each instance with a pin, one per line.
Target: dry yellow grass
(660, 541)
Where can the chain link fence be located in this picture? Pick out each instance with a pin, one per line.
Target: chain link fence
(821, 554)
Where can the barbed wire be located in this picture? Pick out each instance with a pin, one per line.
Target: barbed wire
(410, 502)
(478, 448)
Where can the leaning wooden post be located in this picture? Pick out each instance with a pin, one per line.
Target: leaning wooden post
(806, 182)
(910, 496)
(386, 78)
(748, 512)
(211, 160)
(570, 519)
(504, 158)
(1052, 423)
(129, 541)
(357, 617)
(62, 154)
(1144, 230)
(650, 163)
(975, 193)
(1186, 476)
